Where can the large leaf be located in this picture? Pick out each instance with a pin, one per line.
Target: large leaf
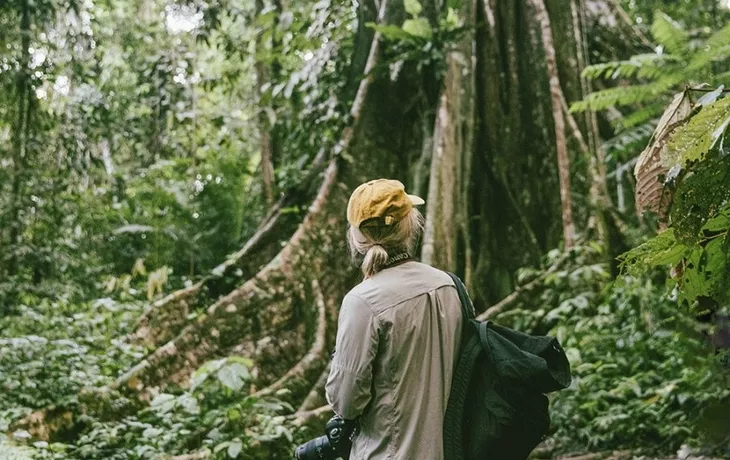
(621, 95)
(390, 31)
(716, 48)
(648, 65)
(418, 27)
(690, 142)
(234, 448)
(233, 375)
(204, 371)
(649, 171)
(413, 7)
(662, 250)
(702, 195)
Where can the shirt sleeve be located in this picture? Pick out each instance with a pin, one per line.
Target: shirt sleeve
(349, 384)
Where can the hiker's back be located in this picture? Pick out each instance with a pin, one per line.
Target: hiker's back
(417, 313)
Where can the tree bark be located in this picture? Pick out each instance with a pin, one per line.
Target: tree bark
(513, 207)
(265, 142)
(559, 123)
(20, 138)
(446, 208)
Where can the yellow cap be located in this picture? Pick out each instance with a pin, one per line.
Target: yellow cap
(380, 202)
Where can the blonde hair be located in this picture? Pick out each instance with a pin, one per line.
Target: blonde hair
(374, 245)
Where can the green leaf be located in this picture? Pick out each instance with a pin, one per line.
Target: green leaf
(234, 448)
(233, 375)
(694, 283)
(390, 32)
(248, 362)
(204, 371)
(718, 223)
(620, 95)
(418, 27)
(694, 139)
(413, 7)
(716, 48)
(221, 446)
(648, 65)
(669, 256)
(661, 250)
(452, 19)
(668, 33)
(163, 403)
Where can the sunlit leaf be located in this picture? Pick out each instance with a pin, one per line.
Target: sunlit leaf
(412, 7)
(418, 27)
(234, 448)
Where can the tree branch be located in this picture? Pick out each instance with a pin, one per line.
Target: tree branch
(575, 130)
(200, 455)
(315, 393)
(301, 418)
(500, 306)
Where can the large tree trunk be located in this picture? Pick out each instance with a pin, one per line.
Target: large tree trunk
(498, 133)
(447, 231)
(556, 98)
(514, 205)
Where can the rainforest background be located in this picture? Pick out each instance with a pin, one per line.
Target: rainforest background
(174, 175)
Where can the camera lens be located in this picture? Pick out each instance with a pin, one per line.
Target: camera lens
(316, 449)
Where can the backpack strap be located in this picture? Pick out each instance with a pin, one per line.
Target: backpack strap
(467, 308)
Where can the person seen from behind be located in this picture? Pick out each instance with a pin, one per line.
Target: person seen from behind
(398, 333)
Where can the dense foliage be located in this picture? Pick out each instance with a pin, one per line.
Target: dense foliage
(644, 377)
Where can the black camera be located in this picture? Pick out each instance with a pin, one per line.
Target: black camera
(334, 444)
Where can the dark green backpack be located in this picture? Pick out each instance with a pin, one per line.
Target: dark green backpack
(497, 408)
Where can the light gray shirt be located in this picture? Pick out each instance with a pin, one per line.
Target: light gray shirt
(396, 350)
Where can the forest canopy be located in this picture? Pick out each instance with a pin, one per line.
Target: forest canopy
(173, 182)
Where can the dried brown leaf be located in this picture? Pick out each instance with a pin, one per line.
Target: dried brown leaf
(649, 171)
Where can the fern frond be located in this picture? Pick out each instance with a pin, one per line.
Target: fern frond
(721, 79)
(628, 138)
(720, 38)
(649, 65)
(643, 115)
(691, 141)
(668, 33)
(621, 95)
(716, 48)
